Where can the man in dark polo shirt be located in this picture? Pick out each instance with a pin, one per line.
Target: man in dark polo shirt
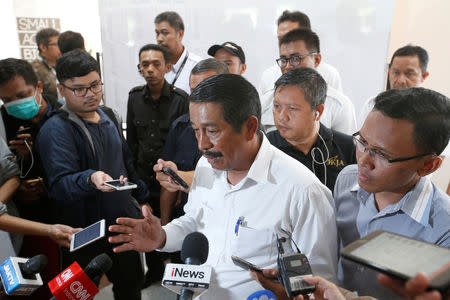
(297, 107)
(151, 109)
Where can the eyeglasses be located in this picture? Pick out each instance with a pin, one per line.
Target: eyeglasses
(293, 60)
(82, 91)
(362, 146)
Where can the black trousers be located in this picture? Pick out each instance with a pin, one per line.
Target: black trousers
(126, 273)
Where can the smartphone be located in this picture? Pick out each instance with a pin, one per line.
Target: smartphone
(88, 235)
(23, 130)
(245, 264)
(120, 186)
(402, 257)
(175, 177)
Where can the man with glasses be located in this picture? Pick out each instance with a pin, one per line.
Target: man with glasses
(301, 48)
(399, 144)
(81, 147)
(44, 66)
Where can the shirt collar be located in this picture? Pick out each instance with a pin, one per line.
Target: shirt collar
(176, 66)
(164, 93)
(259, 170)
(416, 203)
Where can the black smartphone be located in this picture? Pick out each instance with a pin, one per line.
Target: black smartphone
(245, 264)
(23, 130)
(175, 177)
(402, 257)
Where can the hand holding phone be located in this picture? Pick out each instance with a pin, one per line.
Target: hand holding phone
(120, 185)
(177, 179)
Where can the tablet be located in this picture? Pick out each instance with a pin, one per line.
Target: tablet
(88, 235)
(120, 186)
(402, 257)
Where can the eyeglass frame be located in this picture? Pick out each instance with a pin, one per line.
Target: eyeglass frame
(288, 60)
(380, 155)
(86, 89)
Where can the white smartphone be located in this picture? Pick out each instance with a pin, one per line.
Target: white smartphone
(116, 184)
(88, 235)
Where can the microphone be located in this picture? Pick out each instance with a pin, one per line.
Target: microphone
(20, 276)
(191, 278)
(74, 283)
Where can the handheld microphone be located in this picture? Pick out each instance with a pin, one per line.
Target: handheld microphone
(20, 276)
(291, 270)
(74, 283)
(191, 278)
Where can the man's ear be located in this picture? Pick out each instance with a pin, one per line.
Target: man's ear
(424, 76)
(180, 34)
(168, 67)
(40, 86)
(251, 127)
(430, 165)
(243, 68)
(60, 88)
(42, 47)
(317, 60)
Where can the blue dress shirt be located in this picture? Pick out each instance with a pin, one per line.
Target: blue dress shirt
(423, 213)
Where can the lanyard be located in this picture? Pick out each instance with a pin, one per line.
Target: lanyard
(181, 68)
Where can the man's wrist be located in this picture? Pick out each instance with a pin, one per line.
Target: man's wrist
(89, 180)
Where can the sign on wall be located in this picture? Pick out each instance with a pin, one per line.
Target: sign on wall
(27, 29)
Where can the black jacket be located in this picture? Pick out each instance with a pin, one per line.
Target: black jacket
(340, 147)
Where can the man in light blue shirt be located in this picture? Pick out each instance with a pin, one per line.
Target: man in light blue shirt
(397, 147)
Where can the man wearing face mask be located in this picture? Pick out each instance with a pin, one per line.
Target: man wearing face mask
(25, 108)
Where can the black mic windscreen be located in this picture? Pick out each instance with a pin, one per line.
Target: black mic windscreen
(98, 266)
(195, 247)
(34, 265)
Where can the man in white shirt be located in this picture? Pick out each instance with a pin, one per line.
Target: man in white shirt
(288, 21)
(169, 29)
(408, 68)
(244, 193)
(301, 48)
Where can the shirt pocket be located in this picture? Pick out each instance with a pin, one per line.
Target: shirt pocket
(141, 128)
(257, 246)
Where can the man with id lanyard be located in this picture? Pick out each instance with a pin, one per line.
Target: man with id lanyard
(245, 192)
(169, 29)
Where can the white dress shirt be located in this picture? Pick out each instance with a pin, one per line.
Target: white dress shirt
(183, 79)
(277, 193)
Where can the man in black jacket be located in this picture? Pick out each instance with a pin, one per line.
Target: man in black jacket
(297, 107)
(81, 147)
(151, 110)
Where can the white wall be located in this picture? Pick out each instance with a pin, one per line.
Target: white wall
(10, 39)
(354, 37)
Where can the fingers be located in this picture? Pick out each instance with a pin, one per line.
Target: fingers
(120, 229)
(124, 248)
(270, 273)
(416, 285)
(395, 285)
(121, 238)
(269, 284)
(146, 211)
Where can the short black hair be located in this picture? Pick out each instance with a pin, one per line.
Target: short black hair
(43, 36)
(156, 48)
(411, 50)
(172, 18)
(310, 38)
(238, 98)
(70, 40)
(311, 83)
(210, 64)
(75, 63)
(427, 110)
(295, 16)
(12, 67)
